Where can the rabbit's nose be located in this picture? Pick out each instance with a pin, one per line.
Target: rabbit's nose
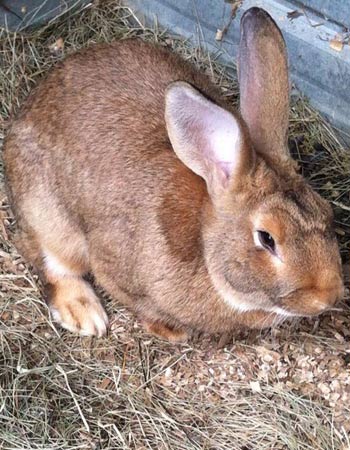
(330, 291)
(337, 289)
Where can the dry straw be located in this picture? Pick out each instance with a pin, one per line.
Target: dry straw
(288, 388)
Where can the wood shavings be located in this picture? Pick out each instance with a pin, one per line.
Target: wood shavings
(339, 40)
(336, 45)
(219, 35)
(57, 47)
(255, 386)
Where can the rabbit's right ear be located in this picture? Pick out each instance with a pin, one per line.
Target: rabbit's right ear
(264, 85)
(207, 138)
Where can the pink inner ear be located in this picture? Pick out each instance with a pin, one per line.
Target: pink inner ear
(222, 137)
(206, 137)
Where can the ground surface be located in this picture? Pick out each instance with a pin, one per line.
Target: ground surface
(286, 388)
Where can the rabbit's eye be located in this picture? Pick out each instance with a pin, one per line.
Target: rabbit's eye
(266, 240)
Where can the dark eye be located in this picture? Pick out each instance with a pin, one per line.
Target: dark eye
(266, 240)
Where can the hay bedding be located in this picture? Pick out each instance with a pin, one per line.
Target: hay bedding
(288, 388)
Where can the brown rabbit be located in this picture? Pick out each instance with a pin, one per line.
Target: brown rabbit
(126, 162)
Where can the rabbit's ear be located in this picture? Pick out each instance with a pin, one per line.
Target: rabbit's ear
(264, 85)
(207, 138)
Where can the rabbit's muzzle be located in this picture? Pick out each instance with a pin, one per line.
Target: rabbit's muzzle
(315, 297)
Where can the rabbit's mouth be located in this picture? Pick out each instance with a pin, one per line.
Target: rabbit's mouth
(296, 303)
(311, 302)
(300, 302)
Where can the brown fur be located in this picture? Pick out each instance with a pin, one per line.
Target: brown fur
(94, 181)
(262, 53)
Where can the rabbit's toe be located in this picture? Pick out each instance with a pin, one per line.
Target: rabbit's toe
(80, 311)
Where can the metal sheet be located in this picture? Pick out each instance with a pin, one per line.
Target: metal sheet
(16, 15)
(338, 11)
(317, 70)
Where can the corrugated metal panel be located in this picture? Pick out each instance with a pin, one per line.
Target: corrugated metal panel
(16, 15)
(320, 72)
(336, 10)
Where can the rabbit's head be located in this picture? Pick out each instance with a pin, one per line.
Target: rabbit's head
(267, 236)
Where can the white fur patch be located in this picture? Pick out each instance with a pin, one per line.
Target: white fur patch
(55, 267)
(237, 303)
(55, 315)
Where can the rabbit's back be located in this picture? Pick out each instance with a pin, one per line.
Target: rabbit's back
(98, 119)
(107, 90)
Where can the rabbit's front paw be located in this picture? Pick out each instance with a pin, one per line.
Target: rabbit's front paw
(74, 305)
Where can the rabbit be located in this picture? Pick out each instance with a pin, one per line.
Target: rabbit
(127, 163)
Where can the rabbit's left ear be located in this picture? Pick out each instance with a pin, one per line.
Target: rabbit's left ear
(207, 138)
(264, 85)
